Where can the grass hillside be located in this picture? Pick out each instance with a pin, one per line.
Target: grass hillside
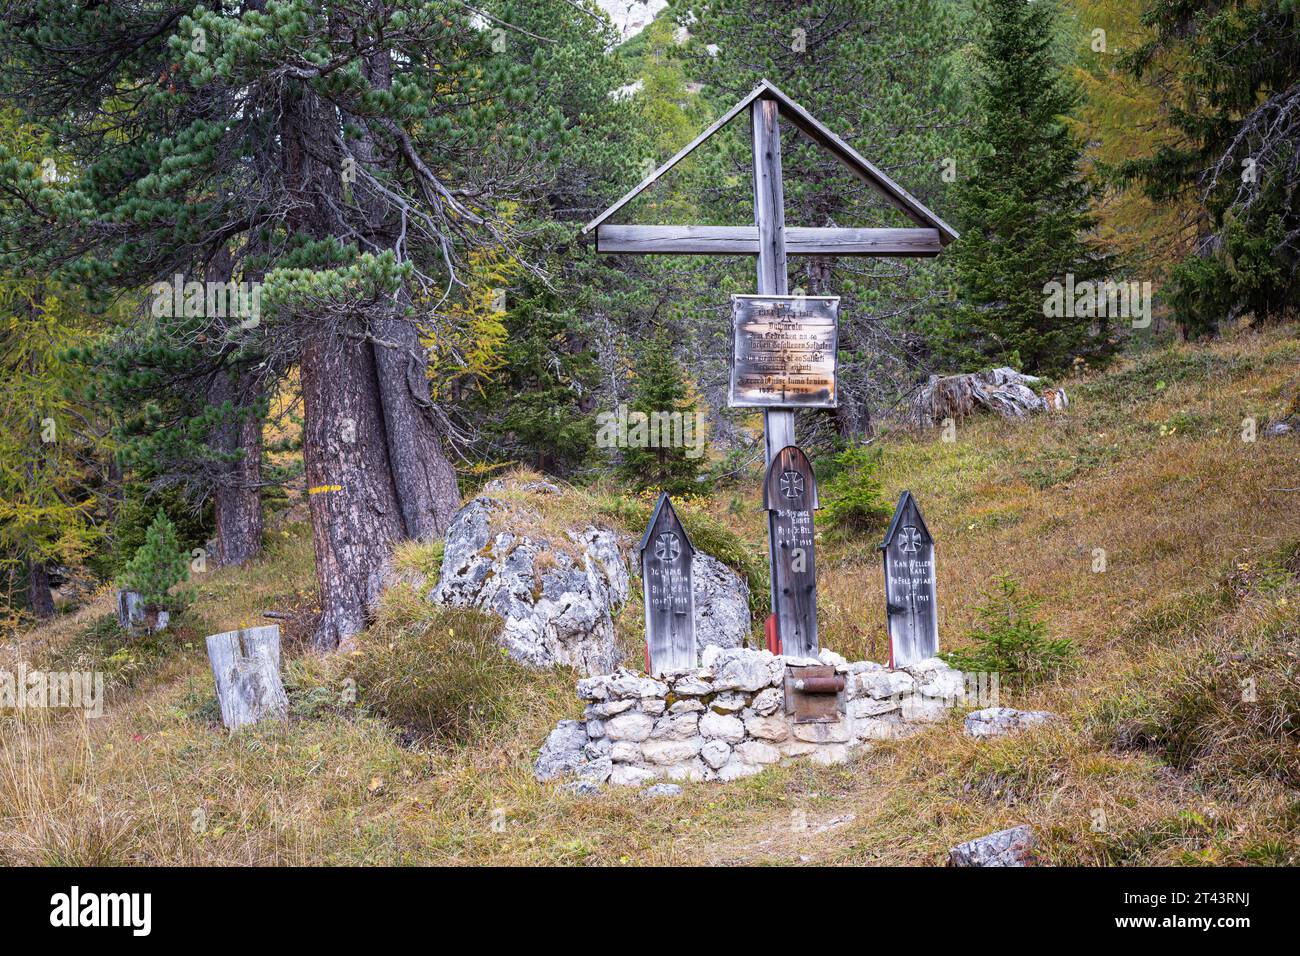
(1179, 742)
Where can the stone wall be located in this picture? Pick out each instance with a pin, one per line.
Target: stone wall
(727, 719)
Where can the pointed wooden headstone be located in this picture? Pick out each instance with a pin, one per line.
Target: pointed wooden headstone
(790, 497)
(666, 556)
(911, 599)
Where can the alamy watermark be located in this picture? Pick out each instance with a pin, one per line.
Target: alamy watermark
(49, 690)
(1094, 299)
(622, 428)
(214, 300)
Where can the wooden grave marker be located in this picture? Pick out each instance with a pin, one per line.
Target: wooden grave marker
(772, 243)
(911, 598)
(666, 558)
(790, 497)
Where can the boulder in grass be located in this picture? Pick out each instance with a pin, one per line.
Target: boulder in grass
(997, 721)
(555, 595)
(1013, 847)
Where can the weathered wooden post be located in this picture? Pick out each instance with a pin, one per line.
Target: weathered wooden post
(911, 598)
(246, 670)
(666, 556)
(790, 497)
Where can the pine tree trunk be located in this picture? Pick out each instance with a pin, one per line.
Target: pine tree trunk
(425, 480)
(40, 601)
(237, 498)
(355, 515)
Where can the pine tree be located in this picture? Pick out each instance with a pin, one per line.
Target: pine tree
(158, 566)
(351, 155)
(1024, 211)
(661, 393)
(1235, 152)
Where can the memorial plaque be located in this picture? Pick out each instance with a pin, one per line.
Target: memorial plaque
(790, 497)
(666, 555)
(784, 351)
(911, 601)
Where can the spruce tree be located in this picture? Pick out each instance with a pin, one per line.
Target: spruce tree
(1024, 209)
(662, 393)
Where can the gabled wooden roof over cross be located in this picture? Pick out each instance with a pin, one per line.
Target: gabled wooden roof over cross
(927, 238)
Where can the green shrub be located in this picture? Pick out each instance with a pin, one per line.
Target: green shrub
(444, 677)
(1010, 640)
(852, 498)
(158, 565)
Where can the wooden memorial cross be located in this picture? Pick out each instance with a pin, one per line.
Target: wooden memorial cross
(666, 556)
(772, 243)
(911, 597)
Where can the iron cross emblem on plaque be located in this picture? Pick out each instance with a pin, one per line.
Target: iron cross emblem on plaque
(910, 539)
(791, 484)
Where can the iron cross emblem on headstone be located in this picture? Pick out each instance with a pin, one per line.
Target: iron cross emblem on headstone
(668, 589)
(911, 594)
(770, 240)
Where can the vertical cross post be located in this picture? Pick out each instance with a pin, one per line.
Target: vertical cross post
(769, 217)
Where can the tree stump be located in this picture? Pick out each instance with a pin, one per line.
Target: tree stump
(134, 616)
(246, 669)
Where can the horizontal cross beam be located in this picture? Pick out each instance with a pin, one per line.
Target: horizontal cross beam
(743, 241)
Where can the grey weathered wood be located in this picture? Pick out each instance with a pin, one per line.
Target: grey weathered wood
(743, 241)
(811, 127)
(911, 597)
(134, 616)
(681, 154)
(859, 165)
(666, 561)
(246, 670)
(790, 497)
(773, 279)
(784, 351)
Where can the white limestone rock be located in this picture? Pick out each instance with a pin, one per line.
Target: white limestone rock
(563, 753)
(715, 753)
(722, 727)
(660, 790)
(757, 752)
(729, 702)
(721, 604)
(830, 754)
(996, 721)
(633, 726)
(665, 752)
(675, 727)
(743, 670)
(556, 612)
(771, 728)
(881, 685)
(628, 775)
(1012, 847)
(625, 751)
(768, 702)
